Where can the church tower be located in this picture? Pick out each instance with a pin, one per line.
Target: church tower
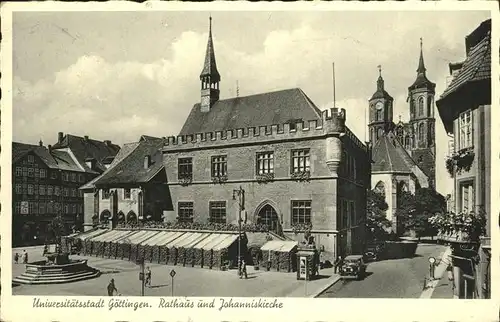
(422, 122)
(380, 111)
(209, 76)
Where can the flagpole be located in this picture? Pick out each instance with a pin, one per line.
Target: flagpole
(333, 66)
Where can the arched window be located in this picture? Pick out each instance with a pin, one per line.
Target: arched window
(421, 106)
(105, 216)
(120, 217)
(131, 217)
(412, 108)
(429, 106)
(379, 115)
(380, 188)
(380, 133)
(421, 133)
(407, 141)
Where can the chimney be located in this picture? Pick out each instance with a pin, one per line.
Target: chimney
(49, 147)
(40, 143)
(60, 137)
(86, 137)
(107, 142)
(147, 161)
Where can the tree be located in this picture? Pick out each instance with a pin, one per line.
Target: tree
(377, 223)
(56, 229)
(414, 211)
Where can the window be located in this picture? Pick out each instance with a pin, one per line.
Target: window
(465, 134)
(412, 108)
(66, 209)
(217, 212)
(293, 126)
(300, 161)
(64, 176)
(219, 166)
(53, 175)
(19, 171)
(49, 190)
(31, 159)
(57, 190)
(30, 189)
(25, 172)
(126, 193)
(37, 173)
(80, 193)
(467, 191)
(105, 193)
(81, 178)
(301, 211)
(50, 208)
(421, 133)
(185, 168)
(19, 188)
(66, 192)
(265, 162)
(352, 214)
(18, 207)
(35, 189)
(73, 192)
(185, 212)
(43, 173)
(73, 177)
(41, 208)
(73, 209)
(378, 115)
(421, 106)
(42, 190)
(33, 208)
(31, 172)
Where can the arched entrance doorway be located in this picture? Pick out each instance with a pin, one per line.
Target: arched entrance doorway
(105, 217)
(269, 217)
(131, 217)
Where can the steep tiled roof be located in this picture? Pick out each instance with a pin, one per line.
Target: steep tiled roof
(476, 67)
(129, 168)
(85, 148)
(251, 111)
(54, 159)
(148, 138)
(387, 157)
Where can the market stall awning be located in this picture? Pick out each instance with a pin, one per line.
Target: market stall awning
(215, 241)
(226, 243)
(283, 246)
(91, 233)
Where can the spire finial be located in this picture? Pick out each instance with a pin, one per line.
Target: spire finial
(400, 118)
(379, 70)
(421, 66)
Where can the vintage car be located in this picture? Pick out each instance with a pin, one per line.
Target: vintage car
(353, 266)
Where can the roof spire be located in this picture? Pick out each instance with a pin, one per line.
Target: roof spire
(210, 66)
(421, 66)
(380, 80)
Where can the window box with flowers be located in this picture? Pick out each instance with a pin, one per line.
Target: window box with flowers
(185, 180)
(459, 227)
(219, 179)
(460, 161)
(302, 228)
(265, 177)
(301, 175)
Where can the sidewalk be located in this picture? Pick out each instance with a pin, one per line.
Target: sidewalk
(444, 289)
(439, 273)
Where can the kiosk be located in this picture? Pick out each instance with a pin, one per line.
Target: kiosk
(307, 262)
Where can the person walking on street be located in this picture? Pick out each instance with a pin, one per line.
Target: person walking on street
(25, 257)
(112, 287)
(338, 264)
(244, 269)
(16, 258)
(148, 277)
(45, 250)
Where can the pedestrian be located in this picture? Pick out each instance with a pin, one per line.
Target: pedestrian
(148, 277)
(45, 250)
(16, 258)
(112, 287)
(25, 257)
(244, 269)
(338, 264)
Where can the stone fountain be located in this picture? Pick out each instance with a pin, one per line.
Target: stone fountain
(56, 269)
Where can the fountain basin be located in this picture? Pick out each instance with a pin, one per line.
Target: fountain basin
(48, 272)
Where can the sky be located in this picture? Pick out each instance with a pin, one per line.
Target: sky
(118, 75)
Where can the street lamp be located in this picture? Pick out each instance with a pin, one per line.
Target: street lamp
(241, 194)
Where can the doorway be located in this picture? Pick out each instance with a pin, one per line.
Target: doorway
(269, 217)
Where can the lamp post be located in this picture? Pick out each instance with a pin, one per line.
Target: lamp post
(240, 193)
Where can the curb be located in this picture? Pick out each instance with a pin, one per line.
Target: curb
(325, 287)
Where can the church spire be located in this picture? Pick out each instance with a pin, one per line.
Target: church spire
(421, 66)
(210, 72)
(380, 80)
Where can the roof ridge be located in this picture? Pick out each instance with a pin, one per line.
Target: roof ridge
(259, 94)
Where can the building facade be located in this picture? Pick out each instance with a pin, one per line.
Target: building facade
(133, 189)
(404, 152)
(300, 168)
(465, 109)
(45, 182)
